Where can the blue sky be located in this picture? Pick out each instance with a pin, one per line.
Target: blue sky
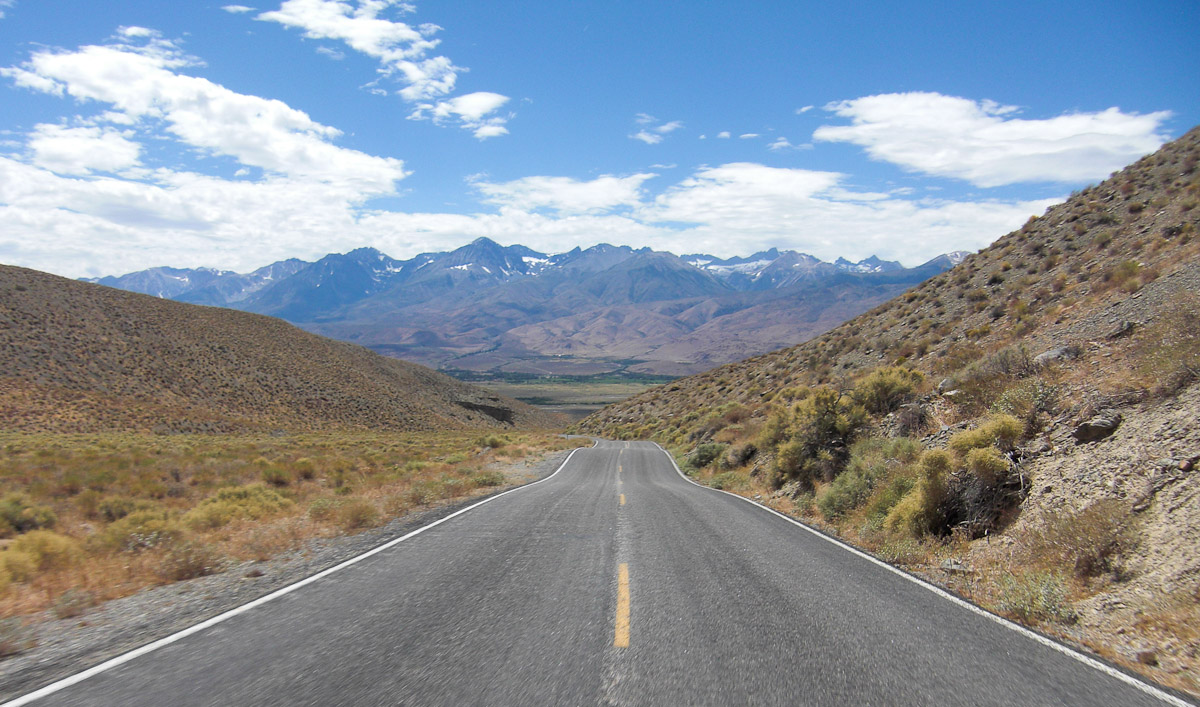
(142, 133)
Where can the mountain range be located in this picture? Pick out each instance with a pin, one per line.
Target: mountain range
(487, 308)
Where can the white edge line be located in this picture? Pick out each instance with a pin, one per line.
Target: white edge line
(1048, 642)
(168, 640)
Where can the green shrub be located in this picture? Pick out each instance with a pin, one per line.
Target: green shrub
(918, 513)
(487, 478)
(871, 460)
(140, 530)
(324, 509)
(19, 566)
(987, 464)
(305, 468)
(821, 428)
(276, 476)
(115, 508)
(1001, 431)
(48, 549)
(233, 503)
(19, 513)
(885, 389)
(493, 442)
(706, 454)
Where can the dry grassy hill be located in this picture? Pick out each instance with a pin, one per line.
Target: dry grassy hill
(76, 357)
(1022, 428)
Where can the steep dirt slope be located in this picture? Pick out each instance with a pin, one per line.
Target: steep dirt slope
(82, 357)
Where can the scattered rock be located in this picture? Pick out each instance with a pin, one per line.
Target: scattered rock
(1147, 657)
(1098, 427)
(946, 384)
(1123, 329)
(953, 566)
(1062, 353)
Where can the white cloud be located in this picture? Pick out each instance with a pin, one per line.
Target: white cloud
(741, 207)
(82, 150)
(402, 50)
(331, 53)
(404, 54)
(237, 9)
(143, 84)
(647, 137)
(748, 136)
(983, 143)
(472, 110)
(724, 135)
(5, 4)
(652, 134)
(802, 111)
(565, 195)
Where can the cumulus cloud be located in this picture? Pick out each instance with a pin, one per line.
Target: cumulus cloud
(653, 131)
(474, 111)
(742, 207)
(404, 52)
(81, 150)
(565, 195)
(782, 143)
(724, 135)
(144, 84)
(237, 9)
(984, 143)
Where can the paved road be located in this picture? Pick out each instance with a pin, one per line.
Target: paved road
(530, 599)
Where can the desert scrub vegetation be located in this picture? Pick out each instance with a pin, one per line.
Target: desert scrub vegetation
(104, 515)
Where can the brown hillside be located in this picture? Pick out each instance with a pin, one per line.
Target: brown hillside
(1022, 428)
(77, 357)
(1113, 253)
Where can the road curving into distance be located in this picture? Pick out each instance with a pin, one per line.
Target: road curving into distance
(614, 581)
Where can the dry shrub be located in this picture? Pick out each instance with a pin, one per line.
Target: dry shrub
(15, 637)
(189, 560)
(73, 602)
(1036, 596)
(1167, 352)
(1087, 542)
(48, 550)
(357, 514)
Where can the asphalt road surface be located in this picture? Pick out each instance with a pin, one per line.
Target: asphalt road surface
(615, 581)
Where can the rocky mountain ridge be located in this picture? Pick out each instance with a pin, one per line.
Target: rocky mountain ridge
(490, 309)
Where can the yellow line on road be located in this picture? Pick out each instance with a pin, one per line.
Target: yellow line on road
(622, 499)
(621, 639)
